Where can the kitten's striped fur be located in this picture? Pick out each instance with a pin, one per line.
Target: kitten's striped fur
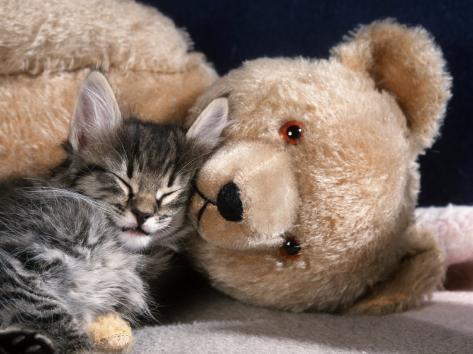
(142, 170)
(61, 265)
(68, 244)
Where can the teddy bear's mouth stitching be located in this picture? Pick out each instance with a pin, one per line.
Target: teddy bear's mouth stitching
(201, 211)
(204, 207)
(228, 202)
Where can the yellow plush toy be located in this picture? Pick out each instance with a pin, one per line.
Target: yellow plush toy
(309, 204)
(48, 48)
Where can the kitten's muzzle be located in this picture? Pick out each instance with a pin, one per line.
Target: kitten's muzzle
(140, 216)
(136, 231)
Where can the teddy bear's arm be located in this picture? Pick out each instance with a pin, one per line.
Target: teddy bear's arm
(420, 272)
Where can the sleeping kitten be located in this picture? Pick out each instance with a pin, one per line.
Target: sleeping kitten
(69, 245)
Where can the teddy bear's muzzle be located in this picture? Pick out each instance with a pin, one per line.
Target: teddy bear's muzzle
(245, 202)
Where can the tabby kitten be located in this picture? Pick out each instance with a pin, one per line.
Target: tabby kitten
(70, 246)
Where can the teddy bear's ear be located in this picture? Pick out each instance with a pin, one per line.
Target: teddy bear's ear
(407, 63)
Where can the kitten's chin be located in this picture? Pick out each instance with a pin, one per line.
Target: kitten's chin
(135, 241)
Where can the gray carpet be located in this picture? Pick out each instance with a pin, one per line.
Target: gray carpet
(213, 323)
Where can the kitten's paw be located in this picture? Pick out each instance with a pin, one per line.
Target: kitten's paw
(19, 341)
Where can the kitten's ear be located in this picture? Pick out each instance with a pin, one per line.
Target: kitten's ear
(208, 126)
(96, 111)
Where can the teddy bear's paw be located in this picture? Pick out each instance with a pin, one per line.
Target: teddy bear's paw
(382, 305)
(111, 333)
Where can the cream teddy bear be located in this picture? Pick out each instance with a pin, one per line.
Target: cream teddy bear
(310, 202)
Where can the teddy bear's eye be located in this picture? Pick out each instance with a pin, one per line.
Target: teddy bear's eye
(290, 247)
(292, 132)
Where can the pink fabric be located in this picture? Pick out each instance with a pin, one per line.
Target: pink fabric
(453, 228)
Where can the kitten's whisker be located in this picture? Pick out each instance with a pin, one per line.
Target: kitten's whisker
(195, 159)
(183, 170)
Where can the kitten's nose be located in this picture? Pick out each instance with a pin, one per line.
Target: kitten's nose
(141, 216)
(229, 203)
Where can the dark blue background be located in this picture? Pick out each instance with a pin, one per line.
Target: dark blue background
(229, 32)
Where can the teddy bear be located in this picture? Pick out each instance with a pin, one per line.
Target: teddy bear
(49, 47)
(309, 204)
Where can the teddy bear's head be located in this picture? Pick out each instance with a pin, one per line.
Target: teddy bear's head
(309, 202)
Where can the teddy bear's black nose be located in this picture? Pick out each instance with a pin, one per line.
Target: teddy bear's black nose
(229, 203)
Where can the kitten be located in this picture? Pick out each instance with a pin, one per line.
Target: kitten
(70, 246)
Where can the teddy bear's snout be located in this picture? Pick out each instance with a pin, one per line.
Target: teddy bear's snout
(229, 204)
(246, 196)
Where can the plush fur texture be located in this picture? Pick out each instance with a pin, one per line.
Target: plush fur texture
(48, 48)
(326, 224)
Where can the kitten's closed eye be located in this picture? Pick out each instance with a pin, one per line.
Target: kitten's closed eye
(124, 185)
(109, 181)
(167, 196)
